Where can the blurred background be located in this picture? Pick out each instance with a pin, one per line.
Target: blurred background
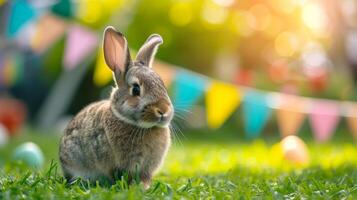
(246, 71)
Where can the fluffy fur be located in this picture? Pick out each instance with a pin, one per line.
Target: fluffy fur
(127, 133)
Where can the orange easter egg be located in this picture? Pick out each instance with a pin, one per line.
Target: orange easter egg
(295, 150)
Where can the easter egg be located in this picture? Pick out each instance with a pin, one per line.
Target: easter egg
(295, 150)
(30, 154)
(4, 137)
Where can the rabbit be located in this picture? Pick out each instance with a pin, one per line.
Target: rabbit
(128, 133)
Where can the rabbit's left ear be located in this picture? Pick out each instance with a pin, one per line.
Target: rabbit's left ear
(147, 52)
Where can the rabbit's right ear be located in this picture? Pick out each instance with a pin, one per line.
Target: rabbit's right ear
(116, 52)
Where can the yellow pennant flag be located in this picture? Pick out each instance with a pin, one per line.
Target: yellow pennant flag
(290, 115)
(221, 101)
(102, 73)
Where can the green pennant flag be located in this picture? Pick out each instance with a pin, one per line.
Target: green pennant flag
(63, 8)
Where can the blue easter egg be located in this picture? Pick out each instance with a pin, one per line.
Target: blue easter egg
(30, 154)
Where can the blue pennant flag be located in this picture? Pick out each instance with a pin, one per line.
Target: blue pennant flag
(188, 88)
(21, 12)
(255, 113)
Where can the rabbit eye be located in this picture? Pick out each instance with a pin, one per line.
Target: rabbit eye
(135, 90)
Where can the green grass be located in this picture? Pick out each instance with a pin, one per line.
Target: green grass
(199, 167)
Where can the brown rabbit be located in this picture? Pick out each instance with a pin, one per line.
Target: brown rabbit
(129, 133)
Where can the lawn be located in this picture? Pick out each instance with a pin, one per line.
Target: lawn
(199, 166)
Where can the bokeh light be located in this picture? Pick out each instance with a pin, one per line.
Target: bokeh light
(213, 14)
(224, 3)
(259, 17)
(286, 44)
(314, 59)
(181, 13)
(239, 23)
(284, 6)
(314, 17)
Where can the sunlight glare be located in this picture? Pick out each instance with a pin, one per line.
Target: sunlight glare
(314, 17)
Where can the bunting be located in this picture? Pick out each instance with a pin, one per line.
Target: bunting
(89, 12)
(25, 34)
(63, 8)
(80, 43)
(20, 14)
(187, 90)
(290, 114)
(323, 118)
(255, 112)
(221, 101)
(49, 29)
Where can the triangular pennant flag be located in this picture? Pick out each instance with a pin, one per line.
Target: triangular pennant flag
(102, 74)
(187, 90)
(221, 101)
(255, 112)
(21, 13)
(165, 71)
(63, 8)
(351, 110)
(90, 12)
(49, 29)
(80, 43)
(290, 114)
(324, 117)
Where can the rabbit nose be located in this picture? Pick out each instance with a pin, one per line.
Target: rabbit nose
(160, 114)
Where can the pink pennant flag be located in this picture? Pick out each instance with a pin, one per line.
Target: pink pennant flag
(80, 43)
(324, 116)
